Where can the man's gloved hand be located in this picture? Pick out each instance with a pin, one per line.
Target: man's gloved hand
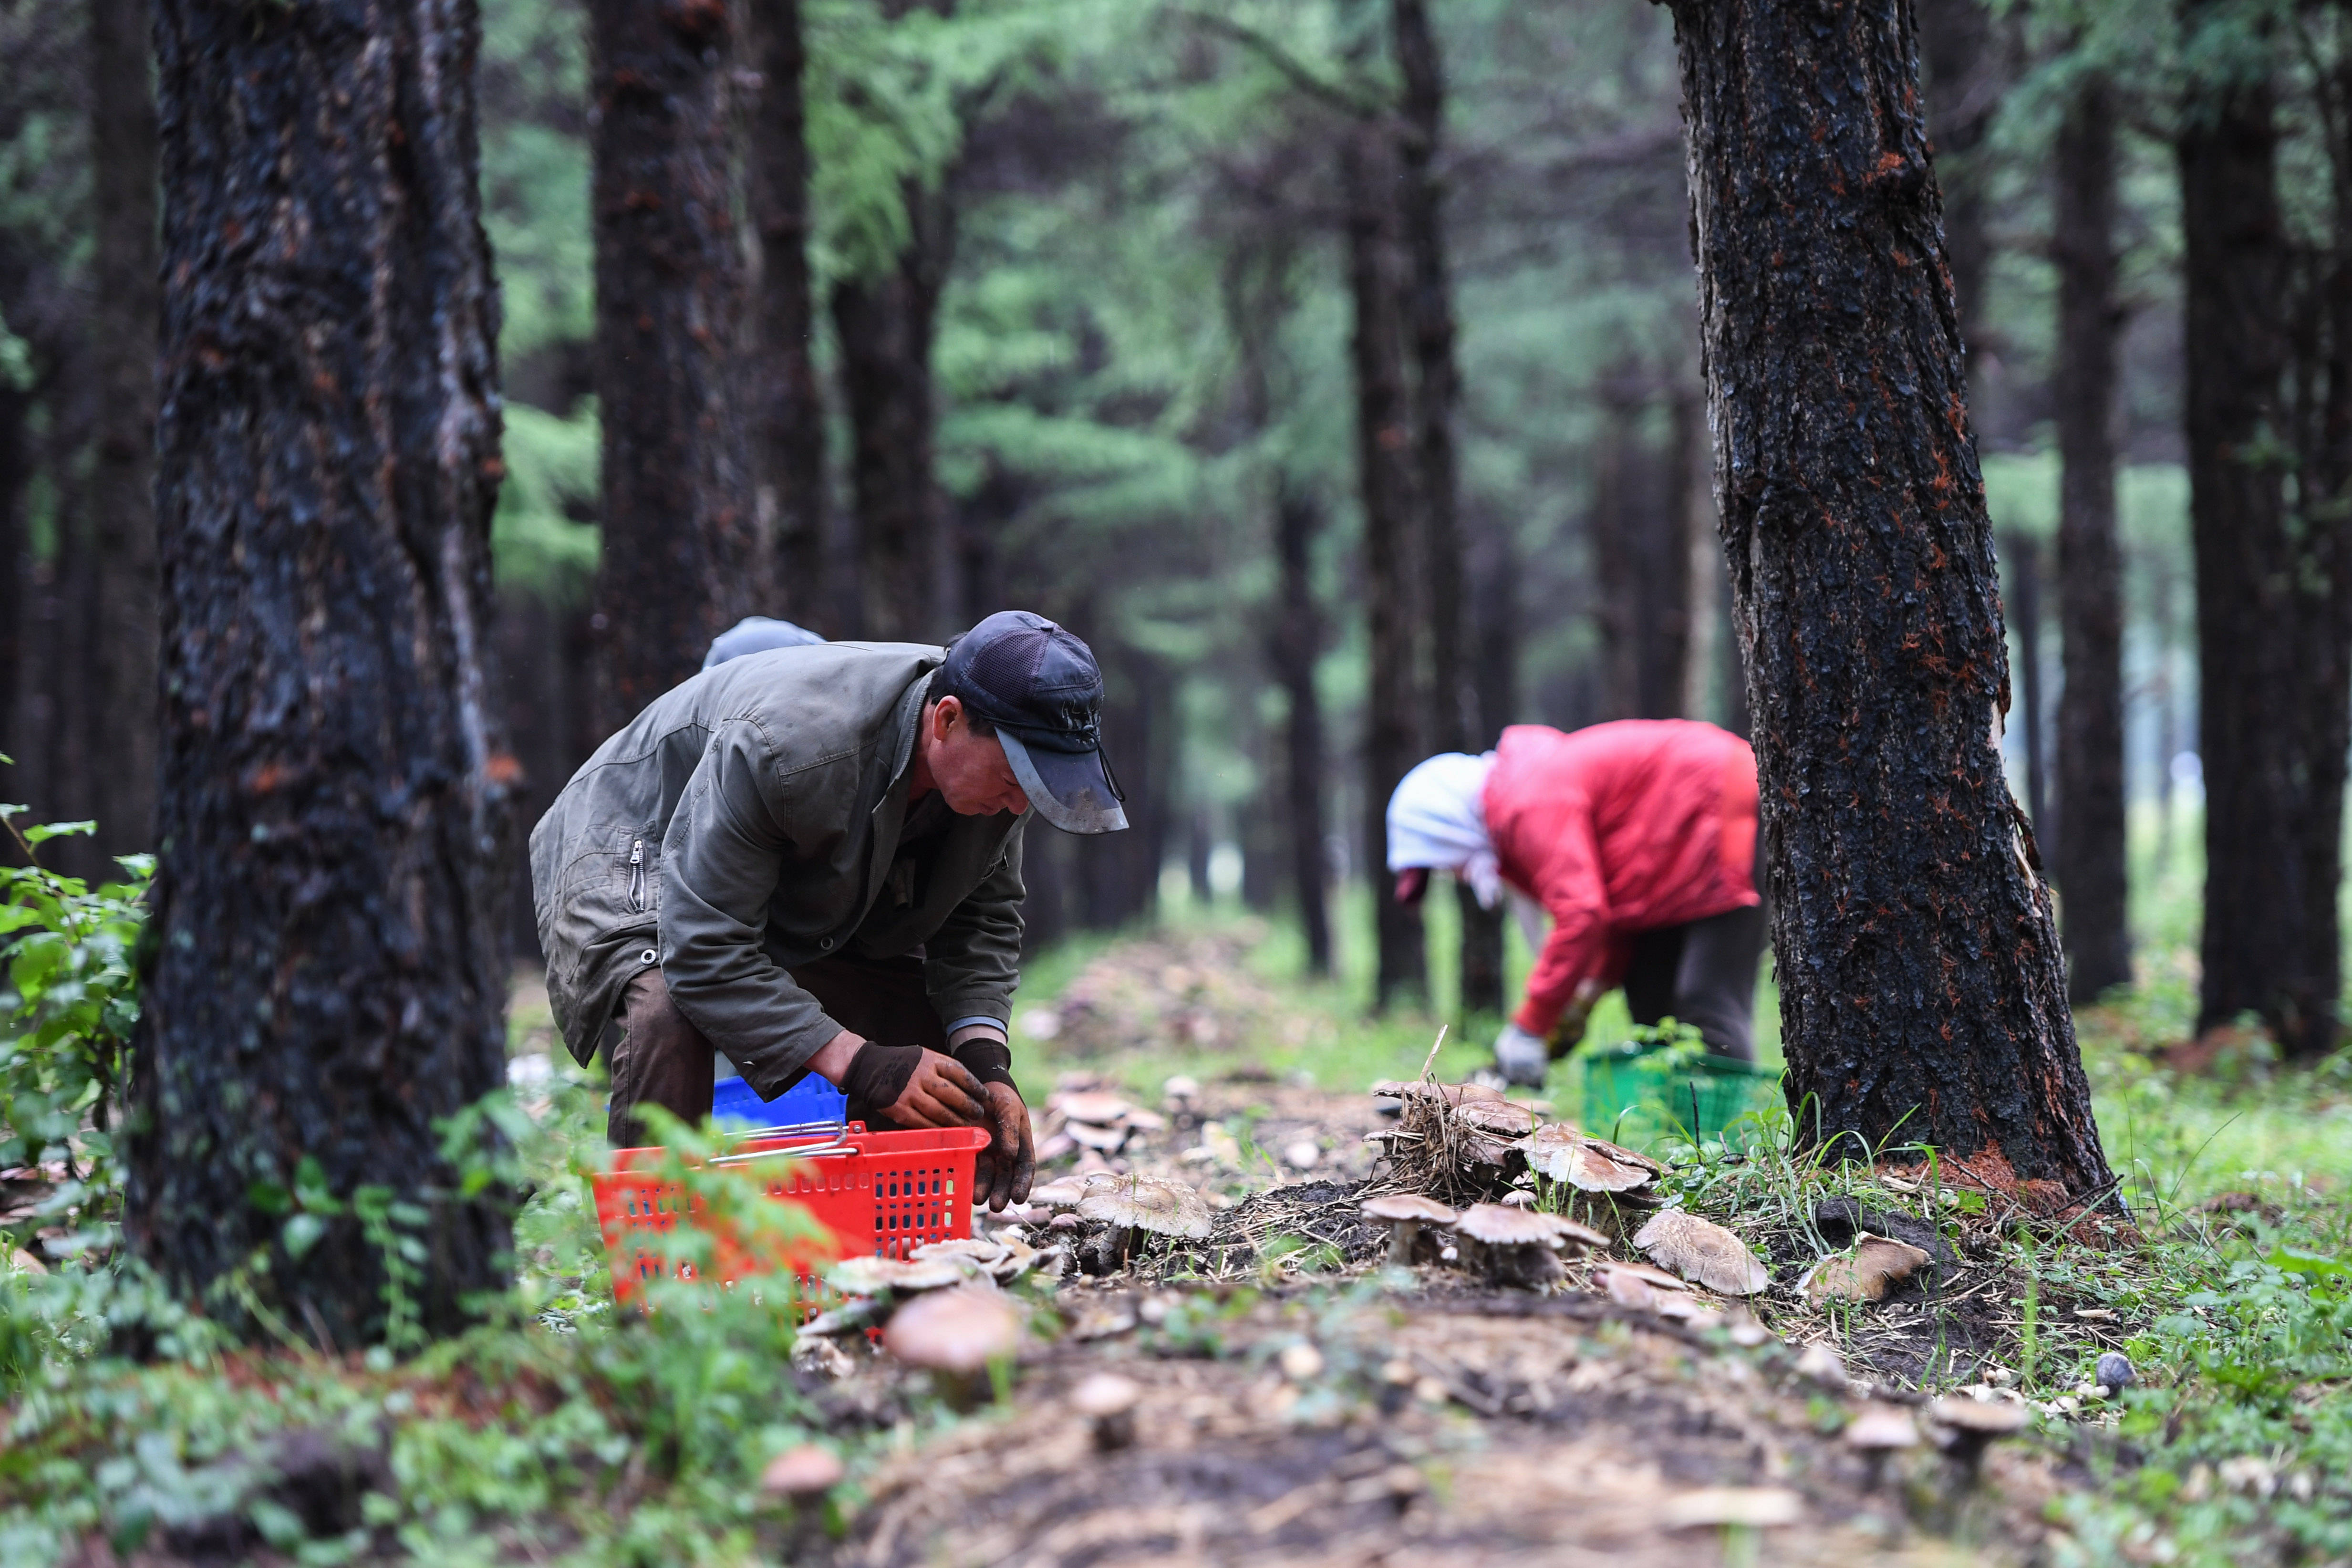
(908, 1086)
(1522, 1058)
(1001, 1175)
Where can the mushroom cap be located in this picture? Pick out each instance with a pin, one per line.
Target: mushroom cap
(1061, 1192)
(1881, 1426)
(1495, 1118)
(1520, 1199)
(804, 1471)
(1183, 1086)
(1498, 1225)
(954, 1331)
(1107, 1139)
(1877, 1262)
(1104, 1393)
(1091, 1105)
(1589, 1164)
(874, 1275)
(1409, 1205)
(1629, 1290)
(1147, 1203)
(2115, 1370)
(1703, 1250)
(1623, 1155)
(1992, 1418)
(1819, 1364)
(1648, 1274)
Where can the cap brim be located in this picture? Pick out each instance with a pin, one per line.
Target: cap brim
(1069, 789)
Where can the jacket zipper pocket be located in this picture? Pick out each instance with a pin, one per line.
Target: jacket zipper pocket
(636, 873)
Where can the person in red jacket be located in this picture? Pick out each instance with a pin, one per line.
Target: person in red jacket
(1638, 838)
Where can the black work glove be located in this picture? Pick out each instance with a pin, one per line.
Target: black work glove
(907, 1086)
(987, 1058)
(1000, 1176)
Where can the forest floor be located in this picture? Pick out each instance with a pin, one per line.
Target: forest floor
(1304, 1403)
(1299, 1399)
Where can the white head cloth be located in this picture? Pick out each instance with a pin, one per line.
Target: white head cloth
(1437, 819)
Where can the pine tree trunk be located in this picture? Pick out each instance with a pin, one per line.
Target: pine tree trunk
(123, 310)
(1960, 64)
(324, 983)
(1437, 397)
(2090, 856)
(2022, 554)
(790, 442)
(1383, 440)
(1494, 620)
(2235, 276)
(16, 552)
(1297, 641)
(683, 555)
(886, 324)
(1923, 994)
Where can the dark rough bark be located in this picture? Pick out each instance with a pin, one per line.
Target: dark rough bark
(2090, 857)
(123, 309)
(2020, 553)
(886, 324)
(683, 553)
(1384, 478)
(1923, 996)
(324, 980)
(789, 452)
(1297, 643)
(2270, 642)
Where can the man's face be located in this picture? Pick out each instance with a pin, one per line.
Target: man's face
(970, 772)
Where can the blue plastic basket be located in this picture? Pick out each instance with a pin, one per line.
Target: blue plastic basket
(734, 1103)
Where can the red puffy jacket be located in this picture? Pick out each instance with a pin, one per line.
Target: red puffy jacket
(1616, 830)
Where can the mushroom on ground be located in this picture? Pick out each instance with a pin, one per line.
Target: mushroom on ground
(1819, 1364)
(953, 1335)
(1702, 1250)
(1061, 1192)
(1877, 1262)
(892, 1277)
(1405, 1214)
(1641, 1287)
(1559, 1153)
(1003, 1261)
(1963, 1428)
(1138, 1204)
(1107, 1401)
(802, 1474)
(1518, 1246)
(1090, 1106)
(1878, 1431)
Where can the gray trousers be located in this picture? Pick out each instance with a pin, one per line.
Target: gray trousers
(1703, 973)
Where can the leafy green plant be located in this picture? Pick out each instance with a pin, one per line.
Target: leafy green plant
(68, 1001)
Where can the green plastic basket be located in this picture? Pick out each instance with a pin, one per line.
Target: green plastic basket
(1635, 1099)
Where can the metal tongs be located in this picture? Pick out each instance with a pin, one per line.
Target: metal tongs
(833, 1130)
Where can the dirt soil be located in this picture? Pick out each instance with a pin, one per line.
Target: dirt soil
(1303, 1405)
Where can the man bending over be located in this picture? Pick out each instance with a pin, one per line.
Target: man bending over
(809, 860)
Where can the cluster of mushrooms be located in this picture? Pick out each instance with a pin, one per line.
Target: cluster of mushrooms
(1466, 1140)
(1108, 1217)
(942, 1308)
(1094, 1121)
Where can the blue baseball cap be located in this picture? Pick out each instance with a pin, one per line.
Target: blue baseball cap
(1039, 687)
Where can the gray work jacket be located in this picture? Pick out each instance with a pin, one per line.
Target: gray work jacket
(747, 822)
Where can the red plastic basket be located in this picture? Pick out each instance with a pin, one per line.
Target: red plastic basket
(881, 1193)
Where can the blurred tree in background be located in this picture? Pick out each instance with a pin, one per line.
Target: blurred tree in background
(1055, 303)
